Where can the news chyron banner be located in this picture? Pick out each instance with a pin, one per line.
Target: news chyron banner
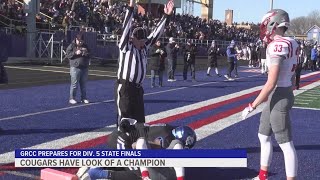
(130, 158)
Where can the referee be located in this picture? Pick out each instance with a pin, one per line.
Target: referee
(134, 45)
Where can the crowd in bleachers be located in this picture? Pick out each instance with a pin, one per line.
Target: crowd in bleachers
(106, 18)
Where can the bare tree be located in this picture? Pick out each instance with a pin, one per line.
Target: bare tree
(300, 25)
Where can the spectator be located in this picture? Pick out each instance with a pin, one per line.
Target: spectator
(308, 64)
(158, 55)
(301, 59)
(78, 54)
(213, 59)
(263, 57)
(314, 58)
(236, 58)
(172, 50)
(108, 18)
(231, 55)
(189, 60)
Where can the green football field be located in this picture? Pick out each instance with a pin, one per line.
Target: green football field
(309, 98)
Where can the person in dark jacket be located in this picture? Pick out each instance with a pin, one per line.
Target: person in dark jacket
(172, 50)
(3, 58)
(302, 58)
(307, 65)
(157, 66)
(213, 52)
(314, 56)
(231, 55)
(78, 54)
(189, 60)
(263, 58)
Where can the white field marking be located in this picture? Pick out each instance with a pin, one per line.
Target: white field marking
(202, 132)
(300, 99)
(45, 70)
(315, 90)
(53, 110)
(106, 101)
(309, 94)
(307, 97)
(306, 108)
(57, 67)
(301, 103)
(17, 173)
(312, 92)
(28, 82)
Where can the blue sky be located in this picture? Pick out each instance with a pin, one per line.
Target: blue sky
(253, 10)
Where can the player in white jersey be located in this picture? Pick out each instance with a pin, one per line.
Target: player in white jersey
(282, 55)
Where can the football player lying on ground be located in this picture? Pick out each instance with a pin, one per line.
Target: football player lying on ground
(132, 135)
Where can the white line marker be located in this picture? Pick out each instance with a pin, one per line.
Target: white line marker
(21, 174)
(300, 103)
(44, 70)
(306, 108)
(308, 94)
(57, 67)
(299, 99)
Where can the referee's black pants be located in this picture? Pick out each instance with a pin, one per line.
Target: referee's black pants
(129, 101)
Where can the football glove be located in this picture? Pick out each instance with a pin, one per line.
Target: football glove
(246, 111)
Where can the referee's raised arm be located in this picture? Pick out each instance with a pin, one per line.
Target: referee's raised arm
(157, 32)
(126, 27)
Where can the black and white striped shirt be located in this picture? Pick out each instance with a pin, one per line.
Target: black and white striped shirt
(133, 62)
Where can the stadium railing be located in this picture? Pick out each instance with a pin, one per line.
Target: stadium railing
(52, 44)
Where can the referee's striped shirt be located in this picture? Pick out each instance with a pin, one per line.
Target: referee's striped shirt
(133, 62)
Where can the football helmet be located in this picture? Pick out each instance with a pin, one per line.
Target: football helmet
(271, 21)
(186, 135)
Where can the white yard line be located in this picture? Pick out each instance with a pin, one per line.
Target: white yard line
(299, 99)
(89, 69)
(309, 94)
(56, 71)
(307, 97)
(21, 174)
(301, 103)
(306, 108)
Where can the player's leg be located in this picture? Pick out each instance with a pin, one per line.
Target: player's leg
(193, 70)
(216, 68)
(137, 104)
(75, 77)
(265, 142)
(208, 71)
(123, 101)
(179, 171)
(185, 70)
(281, 126)
(142, 144)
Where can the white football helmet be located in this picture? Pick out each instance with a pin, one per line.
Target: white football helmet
(271, 21)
